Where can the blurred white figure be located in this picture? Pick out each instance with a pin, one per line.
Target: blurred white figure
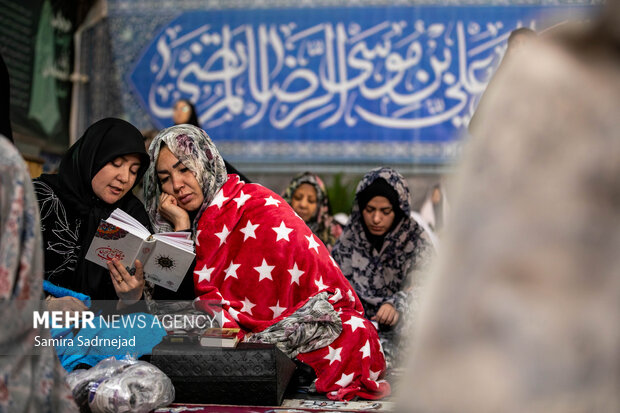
(434, 210)
(522, 312)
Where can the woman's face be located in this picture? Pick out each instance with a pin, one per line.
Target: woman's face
(378, 215)
(178, 181)
(116, 178)
(304, 201)
(181, 112)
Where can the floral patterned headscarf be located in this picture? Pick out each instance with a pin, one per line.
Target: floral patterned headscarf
(193, 147)
(321, 223)
(376, 275)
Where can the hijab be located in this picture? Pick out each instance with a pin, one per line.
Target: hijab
(193, 117)
(379, 187)
(197, 152)
(193, 120)
(28, 382)
(383, 271)
(102, 142)
(322, 221)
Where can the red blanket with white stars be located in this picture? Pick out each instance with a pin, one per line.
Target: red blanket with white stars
(261, 262)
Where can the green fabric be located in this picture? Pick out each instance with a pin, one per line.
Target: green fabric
(44, 107)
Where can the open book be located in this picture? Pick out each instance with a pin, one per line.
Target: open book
(166, 257)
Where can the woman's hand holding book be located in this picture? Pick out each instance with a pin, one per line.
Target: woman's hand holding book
(128, 287)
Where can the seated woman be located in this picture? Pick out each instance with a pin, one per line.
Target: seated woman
(95, 176)
(380, 249)
(307, 195)
(262, 266)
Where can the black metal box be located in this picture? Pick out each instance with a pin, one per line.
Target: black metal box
(250, 374)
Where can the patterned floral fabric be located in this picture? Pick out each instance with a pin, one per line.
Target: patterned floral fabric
(28, 383)
(193, 147)
(315, 325)
(322, 224)
(259, 263)
(383, 276)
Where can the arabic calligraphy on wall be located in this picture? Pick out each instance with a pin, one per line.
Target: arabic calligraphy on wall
(398, 75)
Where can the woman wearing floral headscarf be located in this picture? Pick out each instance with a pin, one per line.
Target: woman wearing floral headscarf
(261, 266)
(380, 250)
(307, 195)
(31, 380)
(184, 112)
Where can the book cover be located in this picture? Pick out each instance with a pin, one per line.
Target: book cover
(220, 337)
(165, 257)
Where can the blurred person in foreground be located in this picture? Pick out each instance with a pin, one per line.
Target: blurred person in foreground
(31, 380)
(523, 310)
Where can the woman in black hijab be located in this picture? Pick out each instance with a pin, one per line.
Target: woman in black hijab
(95, 177)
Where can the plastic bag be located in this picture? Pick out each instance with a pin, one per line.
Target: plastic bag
(121, 386)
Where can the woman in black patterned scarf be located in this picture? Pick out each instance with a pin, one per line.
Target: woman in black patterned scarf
(380, 251)
(307, 195)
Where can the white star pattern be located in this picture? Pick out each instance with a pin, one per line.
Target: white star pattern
(345, 380)
(223, 235)
(295, 274)
(264, 270)
(197, 239)
(277, 310)
(351, 296)
(333, 355)
(365, 350)
(271, 201)
(333, 261)
(282, 232)
(374, 375)
(249, 230)
(222, 301)
(221, 316)
(204, 274)
(336, 297)
(355, 322)
(234, 313)
(231, 271)
(219, 199)
(240, 200)
(247, 306)
(312, 244)
(319, 283)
